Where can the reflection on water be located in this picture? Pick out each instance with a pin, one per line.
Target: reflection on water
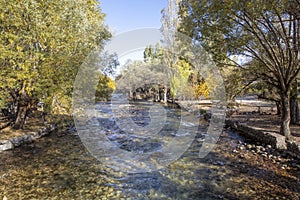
(59, 167)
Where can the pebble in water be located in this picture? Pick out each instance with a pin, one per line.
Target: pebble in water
(228, 172)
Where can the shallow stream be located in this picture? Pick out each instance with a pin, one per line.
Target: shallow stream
(60, 167)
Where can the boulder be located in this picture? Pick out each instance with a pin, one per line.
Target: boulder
(6, 145)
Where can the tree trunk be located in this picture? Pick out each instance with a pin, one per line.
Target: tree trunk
(294, 104)
(278, 107)
(21, 117)
(22, 111)
(294, 110)
(165, 90)
(285, 116)
(159, 95)
(134, 97)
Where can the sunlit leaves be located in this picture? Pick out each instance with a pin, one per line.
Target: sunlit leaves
(43, 43)
(105, 88)
(264, 31)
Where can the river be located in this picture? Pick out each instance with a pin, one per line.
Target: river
(59, 166)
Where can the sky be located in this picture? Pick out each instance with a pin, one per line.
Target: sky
(127, 15)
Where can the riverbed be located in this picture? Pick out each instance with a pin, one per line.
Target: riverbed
(59, 166)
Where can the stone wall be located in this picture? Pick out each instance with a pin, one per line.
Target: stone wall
(293, 149)
(266, 137)
(31, 136)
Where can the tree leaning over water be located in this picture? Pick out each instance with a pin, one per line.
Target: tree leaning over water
(42, 45)
(266, 32)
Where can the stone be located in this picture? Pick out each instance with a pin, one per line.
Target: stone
(17, 141)
(293, 149)
(260, 136)
(7, 145)
(220, 163)
(265, 155)
(258, 147)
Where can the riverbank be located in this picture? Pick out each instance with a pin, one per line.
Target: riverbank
(261, 124)
(58, 166)
(34, 129)
(255, 120)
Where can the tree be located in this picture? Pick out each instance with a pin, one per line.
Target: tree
(42, 45)
(156, 56)
(105, 88)
(149, 77)
(267, 32)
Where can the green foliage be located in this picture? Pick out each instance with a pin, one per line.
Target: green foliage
(43, 43)
(154, 55)
(180, 86)
(264, 32)
(184, 82)
(105, 88)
